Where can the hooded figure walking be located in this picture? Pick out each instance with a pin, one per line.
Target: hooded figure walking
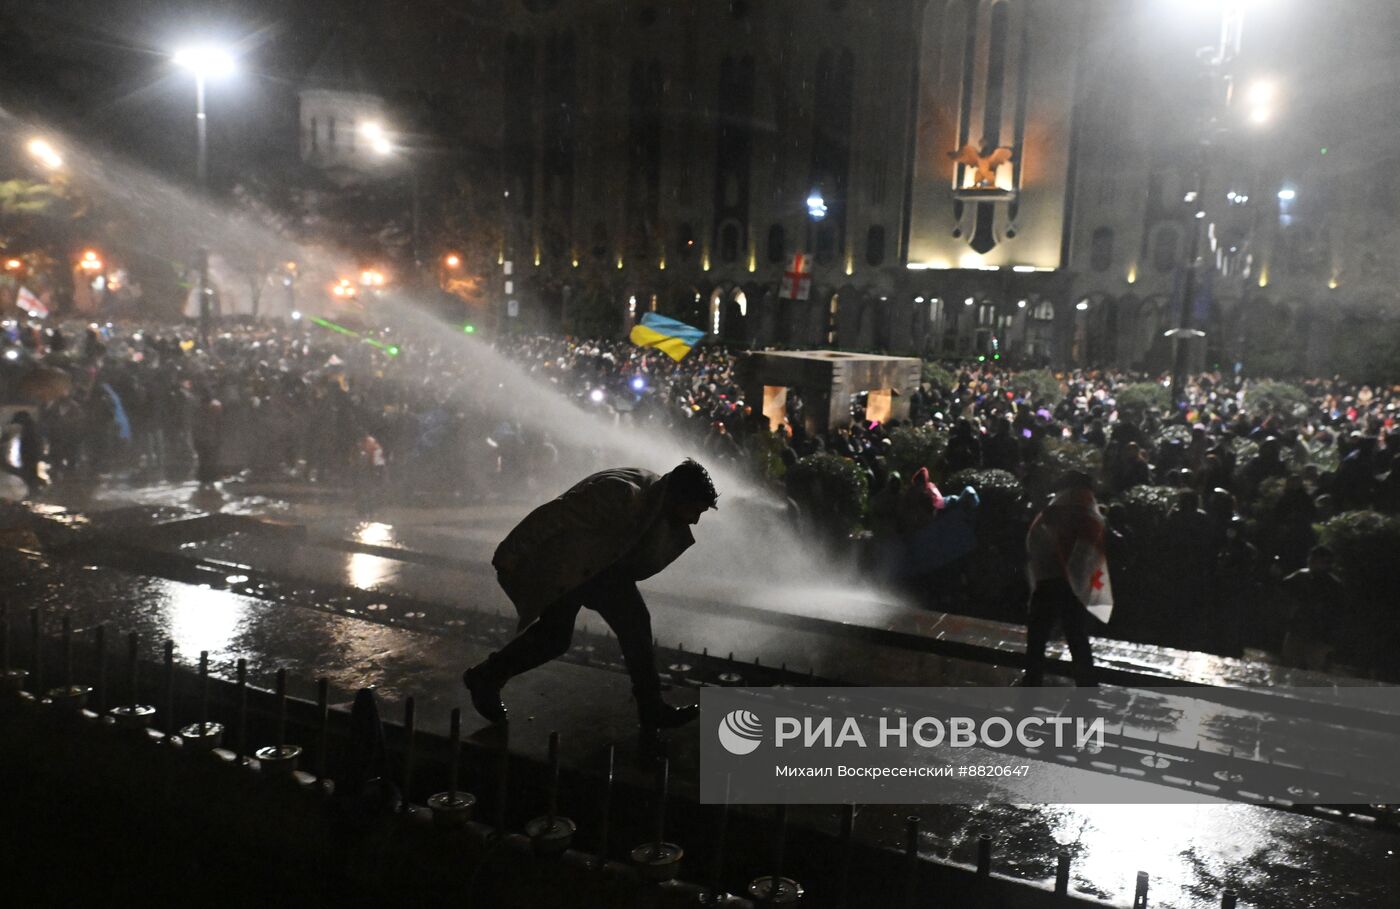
(1068, 572)
(590, 547)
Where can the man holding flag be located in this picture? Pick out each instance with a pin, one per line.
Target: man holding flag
(1068, 571)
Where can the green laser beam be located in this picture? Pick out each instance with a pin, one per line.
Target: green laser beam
(390, 349)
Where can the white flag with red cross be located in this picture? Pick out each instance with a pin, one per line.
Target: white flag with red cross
(797, 280)
(1087, 571)
(32, 305)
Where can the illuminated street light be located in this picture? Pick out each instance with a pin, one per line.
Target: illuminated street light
(380, 142)
(452, 260)
(206, 61)
(372, 277)
(42, 150)
(90, 262)
(1082, 305)
(13, 264)
(1260, 96)
(378, 139)
(1287, 194)
(1261, 93)
(816, 205)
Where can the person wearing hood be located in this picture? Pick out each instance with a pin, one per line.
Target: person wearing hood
(1068, 572)
(590, 547)
(920, 501)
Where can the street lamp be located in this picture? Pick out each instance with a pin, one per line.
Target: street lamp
(1260, 95)
(206, 61)
(383, 146)
(42, 150)
(378, 140)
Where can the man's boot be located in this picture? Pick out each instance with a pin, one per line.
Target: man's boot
(655, 715)
(486, 693)
(658, 714)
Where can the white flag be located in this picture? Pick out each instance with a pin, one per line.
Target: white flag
(32, 305)
(1088, 575)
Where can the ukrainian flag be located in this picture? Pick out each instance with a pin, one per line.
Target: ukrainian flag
(672, 337)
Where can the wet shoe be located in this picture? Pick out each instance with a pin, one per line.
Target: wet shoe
(486, 696)
(668, 716)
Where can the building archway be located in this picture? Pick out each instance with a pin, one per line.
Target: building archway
(1150, 350)
(734, 317)
(715, 318)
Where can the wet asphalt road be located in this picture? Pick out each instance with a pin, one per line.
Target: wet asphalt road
(414, 641)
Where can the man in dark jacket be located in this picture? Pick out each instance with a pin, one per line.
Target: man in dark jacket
(1316, 600)
(590, 547)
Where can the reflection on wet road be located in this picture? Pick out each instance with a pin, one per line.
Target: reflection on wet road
(1191, 852)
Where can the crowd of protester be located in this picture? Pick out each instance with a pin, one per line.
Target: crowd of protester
(1214, 506)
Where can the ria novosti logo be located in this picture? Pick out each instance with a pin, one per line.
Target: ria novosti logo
(740, 732)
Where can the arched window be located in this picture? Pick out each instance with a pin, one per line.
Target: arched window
(875, 245)
(1044, 311)
(1101, 249)
(986, 314)
(729, 243)
(315, 135)
(599, 247)
(832, 314)
(777, 244)
(330, 132)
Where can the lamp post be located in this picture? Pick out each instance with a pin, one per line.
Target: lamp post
(383, 146)
(205, 61)
(42, 151)
(1217, 60)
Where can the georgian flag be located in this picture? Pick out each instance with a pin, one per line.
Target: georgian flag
(797, 280)
(1087, 570)
(1068, 537)
(32, 305)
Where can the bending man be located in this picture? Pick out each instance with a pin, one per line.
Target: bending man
(590, 547)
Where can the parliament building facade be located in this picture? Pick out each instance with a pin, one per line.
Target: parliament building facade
(1024, 179)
